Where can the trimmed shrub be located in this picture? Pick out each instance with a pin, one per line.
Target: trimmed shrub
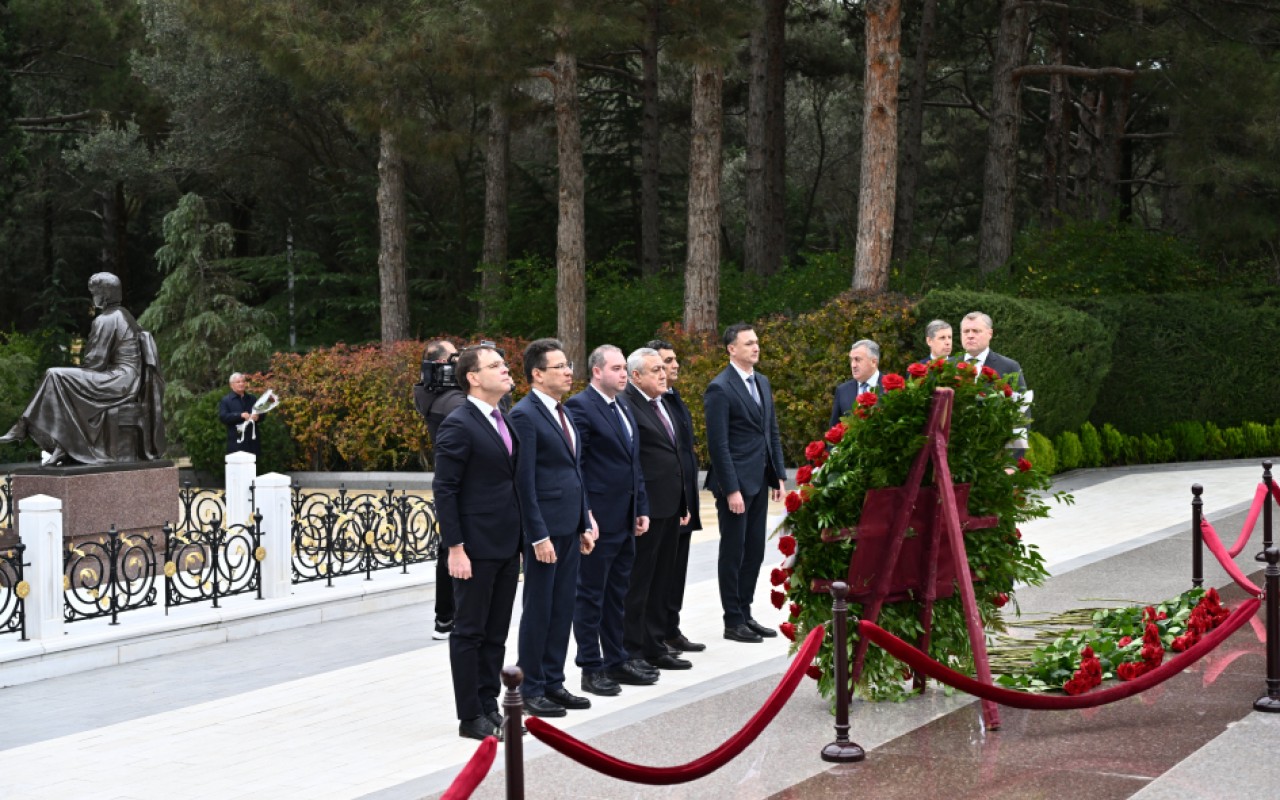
(1040, 453)
(1114, 447)
(1236, 445)
(1065, 354)
(1090, 446)
(1068, 449)
(1189, 443)
(1215, 446)
(1154, 449)
(1221, 342)
(1257, 439)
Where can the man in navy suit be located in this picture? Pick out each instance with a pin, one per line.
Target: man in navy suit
(937, 335)
(557, 527)
(975, 334)
(864, 363)
(616, 497)
(675, 639)
(746, 470)
(664, 484)
(478, 509)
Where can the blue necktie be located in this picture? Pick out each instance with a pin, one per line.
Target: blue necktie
(622, 423)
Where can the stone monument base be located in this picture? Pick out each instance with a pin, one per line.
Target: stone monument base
(137, 497)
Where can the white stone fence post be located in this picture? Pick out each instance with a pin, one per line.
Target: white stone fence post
(40, 527)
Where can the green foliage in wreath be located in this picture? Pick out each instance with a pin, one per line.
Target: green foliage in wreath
(873, 447)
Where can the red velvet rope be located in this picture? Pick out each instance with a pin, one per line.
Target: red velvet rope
(473, 772)
(590, 757)
(1211, 539)
(922, 663)
(1259, 496)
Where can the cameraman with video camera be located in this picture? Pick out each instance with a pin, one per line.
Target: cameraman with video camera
(435, 396)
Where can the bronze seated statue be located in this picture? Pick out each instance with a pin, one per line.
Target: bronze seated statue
(107, 410)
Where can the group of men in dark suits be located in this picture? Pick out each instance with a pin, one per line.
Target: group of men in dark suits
(598, 493)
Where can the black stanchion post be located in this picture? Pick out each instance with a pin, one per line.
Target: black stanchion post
(1271, 700)
(513, 730)
(1197, 536)
(1266, 511)
(841, 751)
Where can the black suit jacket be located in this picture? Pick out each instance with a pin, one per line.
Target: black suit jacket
(477, 500)
(553, 497)
(1004, 365)
(846, 396)
(688, 456)
(742, 437)
(610, 464)
(659, 458)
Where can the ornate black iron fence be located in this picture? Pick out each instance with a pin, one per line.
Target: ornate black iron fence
(345, 534)
(6, 502)
(13, 592)
(204, 560)
(102, 577)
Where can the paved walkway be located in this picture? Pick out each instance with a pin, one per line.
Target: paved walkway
(360, 706)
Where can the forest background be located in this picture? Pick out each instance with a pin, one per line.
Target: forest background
(271, 178)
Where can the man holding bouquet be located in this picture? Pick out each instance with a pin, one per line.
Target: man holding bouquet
(237, 408)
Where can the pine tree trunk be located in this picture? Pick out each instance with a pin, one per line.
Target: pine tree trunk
(493, 258)
(913, 136)
(392, 276)
(571, 256)
(650, 141)
(1056, 129)
(775, 134)
(879, 147)
(999, 174)
(702, 269)
(755, 245)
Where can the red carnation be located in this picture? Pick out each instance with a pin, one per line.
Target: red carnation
(814, 451)
(963, 366)
(989, 373)
(937, 364)
(1018, 531)
(836, 433)
(917, 370)
(777, 576)
(892, 382)
(795, 610)
(804, 474)
(1007, 389)
(814, 671)
(1023, 465)
(788, 630)
(1125, 641)
(867, 399)
(1001, 600)
(793, 503)
(777, 598)
(787, 543)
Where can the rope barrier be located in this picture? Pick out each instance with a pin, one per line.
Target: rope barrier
(1225, 559)
(475, 770)
(1259, 496)
(920, 662)
(594, 759)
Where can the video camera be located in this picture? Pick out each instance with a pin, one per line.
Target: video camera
(438, 376)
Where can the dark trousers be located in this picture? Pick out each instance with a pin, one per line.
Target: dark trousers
(675, 586)
(741, 553)
(647, 596)
(547, 617)
(444, 586)
(599, 610)
(478, 643)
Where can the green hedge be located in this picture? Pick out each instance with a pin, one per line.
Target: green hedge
(1188, 356)
(1065, 354)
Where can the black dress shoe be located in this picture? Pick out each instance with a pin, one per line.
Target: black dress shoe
(600, 683)
(683, 645)
(564, 698)
(543, 707)
(495, 717)
(742, 633)
(767, 633)
(671, 662)
(642, 665)
(479, 728)
(626, 673)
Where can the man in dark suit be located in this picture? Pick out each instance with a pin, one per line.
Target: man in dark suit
(664, 484)
(746, 470)
(674, 638)
(557, 527)
(937, 335)
(236, 409)
(478, 509)
(864, 363)
(617, 499)
(975, 334)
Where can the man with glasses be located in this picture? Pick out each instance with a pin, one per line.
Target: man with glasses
(557, 527)
(478, 509)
